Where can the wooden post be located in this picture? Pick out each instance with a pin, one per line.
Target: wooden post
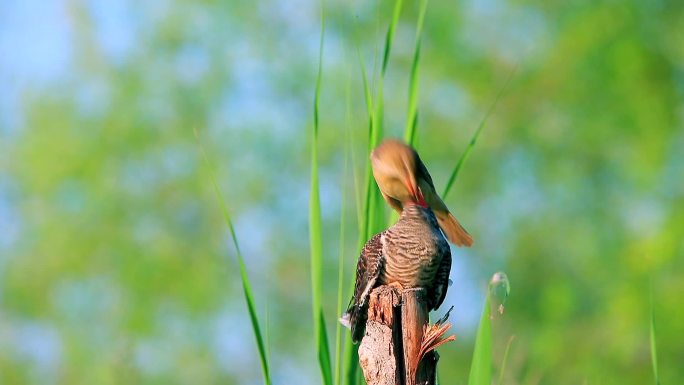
(378, 351)
(398, 348)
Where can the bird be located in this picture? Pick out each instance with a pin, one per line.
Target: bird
(412, 253)
(401, 177)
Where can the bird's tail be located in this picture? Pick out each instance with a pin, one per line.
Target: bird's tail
(453, 230)
(355, 319)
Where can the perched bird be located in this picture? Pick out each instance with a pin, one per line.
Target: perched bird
(402, 177)
(412, 253)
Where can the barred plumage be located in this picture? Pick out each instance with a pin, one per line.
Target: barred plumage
(413, 252)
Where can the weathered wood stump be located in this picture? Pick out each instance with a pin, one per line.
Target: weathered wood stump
(398, 348)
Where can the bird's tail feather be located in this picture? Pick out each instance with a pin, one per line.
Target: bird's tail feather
(355, 319)
(453, 230)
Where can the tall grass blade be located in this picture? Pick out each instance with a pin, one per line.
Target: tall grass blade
(355, 174)
(324, 351)
(350, 351)
(476, 135)
(340, 272)
(412, 113)
(376, 218)
(351, 359)
(246, 287)
(267, 331)
(654, 347)
(504, 361)
(390, 35)
(340, 304)
(378, 115)
(363, 230)
(373, 207)
(316, 233)
(481, 367)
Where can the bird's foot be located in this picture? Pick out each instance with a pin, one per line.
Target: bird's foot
(397, 286)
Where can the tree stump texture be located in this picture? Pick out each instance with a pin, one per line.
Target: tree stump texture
(398, 347)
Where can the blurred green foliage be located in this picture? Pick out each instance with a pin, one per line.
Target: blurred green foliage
(116, 266)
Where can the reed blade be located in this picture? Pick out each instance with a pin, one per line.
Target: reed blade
(476, 136)
(412, 111)
(654, 347)
(316, 232)
(481, 367)
(244, 278)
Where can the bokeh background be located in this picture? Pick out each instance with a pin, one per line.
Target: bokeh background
(116, 265)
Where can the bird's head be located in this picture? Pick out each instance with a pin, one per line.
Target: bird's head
(394, 163)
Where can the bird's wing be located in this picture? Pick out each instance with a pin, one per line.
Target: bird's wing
(368, 270)
(452, 229)
(441, 281)
(422, 171)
